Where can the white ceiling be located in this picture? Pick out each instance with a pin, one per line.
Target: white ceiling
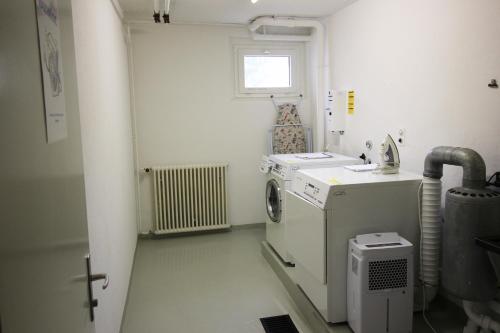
(232, 11)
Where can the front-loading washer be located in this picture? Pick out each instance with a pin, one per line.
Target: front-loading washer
(281, 169)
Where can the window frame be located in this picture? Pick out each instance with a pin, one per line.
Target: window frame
(293, 51)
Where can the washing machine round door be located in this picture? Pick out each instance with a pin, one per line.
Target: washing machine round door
(273, 201)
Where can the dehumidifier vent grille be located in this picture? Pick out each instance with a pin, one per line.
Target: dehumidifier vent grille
(387, 274)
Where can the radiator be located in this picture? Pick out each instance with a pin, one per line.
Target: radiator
(190, 198)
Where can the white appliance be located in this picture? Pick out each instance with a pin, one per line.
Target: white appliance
(326, 208)
(281, 169)
(380, 284)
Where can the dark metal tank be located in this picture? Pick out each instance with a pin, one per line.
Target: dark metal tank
(467, 272)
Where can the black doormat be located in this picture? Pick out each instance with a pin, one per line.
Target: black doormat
(279, 324)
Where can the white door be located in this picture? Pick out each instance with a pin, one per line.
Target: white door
(43, 226)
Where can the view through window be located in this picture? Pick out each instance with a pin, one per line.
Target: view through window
(264, 71)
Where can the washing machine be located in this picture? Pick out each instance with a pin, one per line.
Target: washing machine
(281, 169)
(326, 208)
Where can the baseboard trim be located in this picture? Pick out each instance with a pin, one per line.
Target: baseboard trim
(129, 284)
(152, 235)
(249, 226)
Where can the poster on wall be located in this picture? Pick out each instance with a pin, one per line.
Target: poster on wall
(52, 72)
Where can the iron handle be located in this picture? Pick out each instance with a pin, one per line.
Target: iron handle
(102, 276)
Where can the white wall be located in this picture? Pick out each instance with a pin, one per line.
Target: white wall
(186, 112)
(103, 82)
(422, 66)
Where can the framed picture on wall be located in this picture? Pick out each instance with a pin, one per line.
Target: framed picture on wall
(49, 39)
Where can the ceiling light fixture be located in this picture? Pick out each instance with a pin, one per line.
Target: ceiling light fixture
(254, 1)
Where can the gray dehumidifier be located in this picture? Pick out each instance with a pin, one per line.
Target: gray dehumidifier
(380, 284)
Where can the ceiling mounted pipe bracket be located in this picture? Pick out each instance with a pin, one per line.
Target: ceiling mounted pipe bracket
(156, 17)
(157, 12)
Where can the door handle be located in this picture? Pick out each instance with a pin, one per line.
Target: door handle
(97, 277)
(91, 278)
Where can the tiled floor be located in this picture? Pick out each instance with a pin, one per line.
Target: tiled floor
(217, 283)
(220, 283)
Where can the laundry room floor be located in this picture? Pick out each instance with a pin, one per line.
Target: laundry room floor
(214, 283)
(220, 283)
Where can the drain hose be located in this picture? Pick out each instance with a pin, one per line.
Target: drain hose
(485, 322)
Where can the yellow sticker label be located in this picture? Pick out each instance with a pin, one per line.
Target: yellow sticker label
(350, 102)
(334, 181)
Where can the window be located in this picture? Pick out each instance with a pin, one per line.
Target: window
(267, 69)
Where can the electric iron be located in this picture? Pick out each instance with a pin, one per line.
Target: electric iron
(389, 157)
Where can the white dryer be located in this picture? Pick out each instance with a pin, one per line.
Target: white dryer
(281, 170)
(330, 206)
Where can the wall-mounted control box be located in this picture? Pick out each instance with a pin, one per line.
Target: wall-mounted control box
(338, 104)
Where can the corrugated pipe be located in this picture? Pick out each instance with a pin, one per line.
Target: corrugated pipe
(430, 243)
(474, 176)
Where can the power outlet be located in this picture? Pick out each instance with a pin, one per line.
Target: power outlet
(401, 137)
